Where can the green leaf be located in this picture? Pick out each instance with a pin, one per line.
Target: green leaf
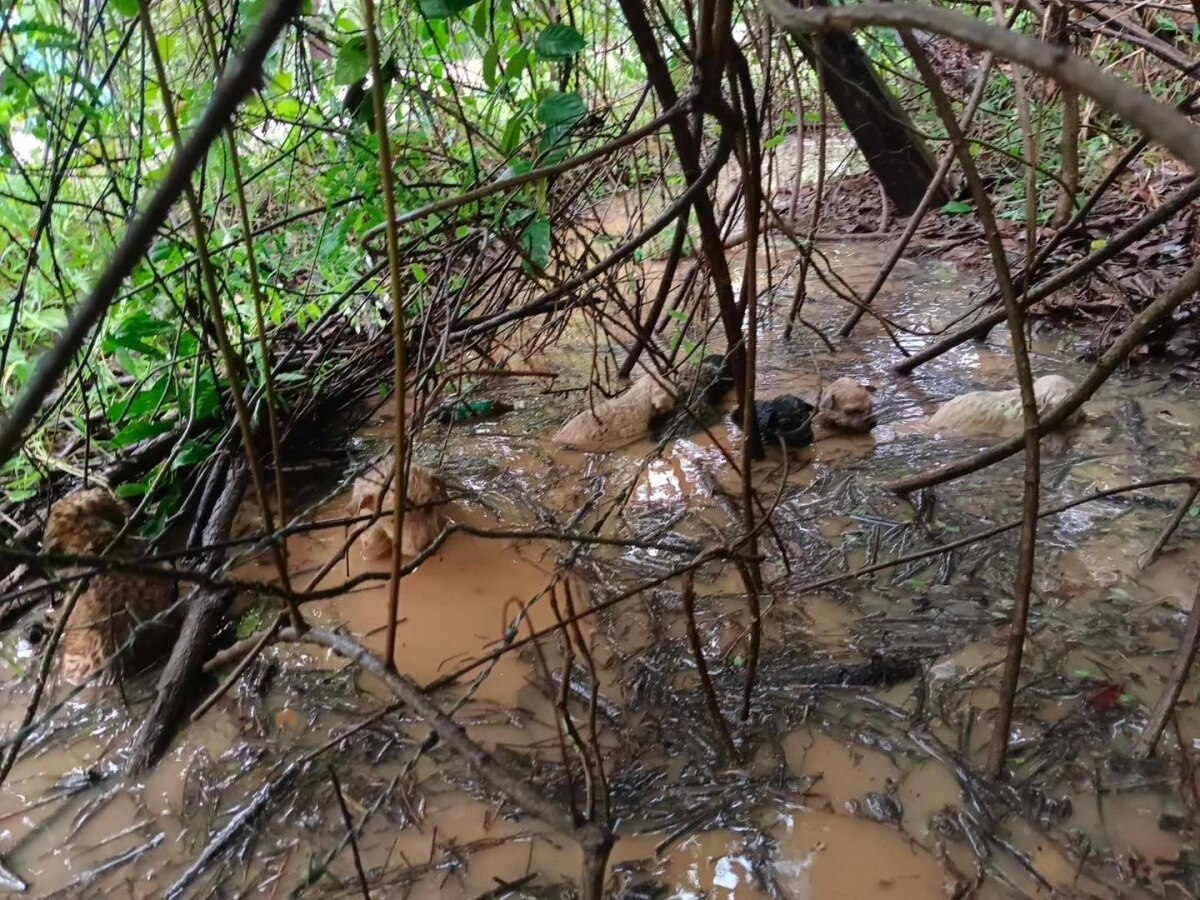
(443, 9)
(250, 622)
(333, 242)
(126, 8)
(554, 144)
(481, 20)
(1099, 243)
(491, 62)
(131, 489)
(535, 241)
(352, 62)
(957, 208)
(192, 452)
(559, 42)
(132, 331)
(1164, 25)
(561, 109)
(208, 399)
(142, 403)
(141, 430)
(287, 108)
(516, 63)
(512, 136)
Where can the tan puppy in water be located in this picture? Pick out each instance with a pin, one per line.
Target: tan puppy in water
(618, 421)
(998, 411)
(424, 511)
(847, 407)
(115, 606)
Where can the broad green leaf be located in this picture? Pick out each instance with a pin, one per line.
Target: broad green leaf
(287, 108)
(208, 400)
(554, 145)
(559, 42)
(352, 62)
(444, 9)
(136, 432)
(516, 63)
(126, 8)
(131, 489)
(561, 109)
(192, 452)
(142, 403)
(132, 331)
(535, 241)
(47, 318)
(40, 28)
(491, 61)
(957, 208)
(333, 242)
(512, 136)
(250, 622)
(480, 23)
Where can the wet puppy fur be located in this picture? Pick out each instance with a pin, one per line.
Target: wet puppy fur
(846, 407)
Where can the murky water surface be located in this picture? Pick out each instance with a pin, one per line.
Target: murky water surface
(794, 819)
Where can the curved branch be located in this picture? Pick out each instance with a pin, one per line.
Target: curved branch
(1156, 120)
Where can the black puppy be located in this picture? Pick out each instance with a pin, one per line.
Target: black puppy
(716, 378)
(787, 417)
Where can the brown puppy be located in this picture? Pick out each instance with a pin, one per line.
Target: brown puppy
(424, 511)
(847, 407)
(618, 421)
(114, 606)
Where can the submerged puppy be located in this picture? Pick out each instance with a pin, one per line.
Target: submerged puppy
(618, 421)
(847, 407)
(424, 511)
(698, 401)
(998, 411)
(114, 605)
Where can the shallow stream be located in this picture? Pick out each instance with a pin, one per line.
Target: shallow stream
(801, 815)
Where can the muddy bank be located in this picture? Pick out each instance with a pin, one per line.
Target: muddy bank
(856, 777)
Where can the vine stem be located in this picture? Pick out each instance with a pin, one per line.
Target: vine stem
(1023, 579)
(399, 478)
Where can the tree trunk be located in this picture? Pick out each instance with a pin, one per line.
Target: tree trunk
(881, 128)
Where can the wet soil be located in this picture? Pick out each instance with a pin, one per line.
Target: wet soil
(1076, 818)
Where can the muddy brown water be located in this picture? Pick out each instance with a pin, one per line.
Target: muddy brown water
(1077, 818)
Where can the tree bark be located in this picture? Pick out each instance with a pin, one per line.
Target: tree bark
(205, 613)
(883, 131)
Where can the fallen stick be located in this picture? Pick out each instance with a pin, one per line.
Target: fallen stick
(205, 612)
